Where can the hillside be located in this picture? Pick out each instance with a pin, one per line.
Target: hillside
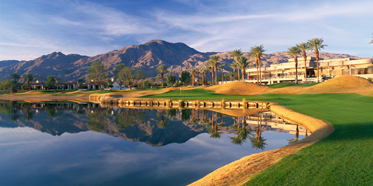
(176, 56)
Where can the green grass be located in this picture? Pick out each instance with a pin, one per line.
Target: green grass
(65, 92)
(343, 158)
(282, 85)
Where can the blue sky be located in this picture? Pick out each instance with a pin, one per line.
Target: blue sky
(31, 28)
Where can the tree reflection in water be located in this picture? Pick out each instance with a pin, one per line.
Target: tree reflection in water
(161, 124)
(117, 120)
(127, 117)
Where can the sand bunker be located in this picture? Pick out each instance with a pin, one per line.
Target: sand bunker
(240, 88)
(77, 91)
(341, 84)
(32, 92)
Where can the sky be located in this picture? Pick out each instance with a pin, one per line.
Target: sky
(31, 28)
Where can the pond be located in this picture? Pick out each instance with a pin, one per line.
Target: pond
(84, 144)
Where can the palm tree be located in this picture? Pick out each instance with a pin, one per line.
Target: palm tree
(193, 72)
(236, 54)
(161, 69)
(197, 73)
(162, 123)
(210, 64)
(221, 67)
(316, 44)
(294, 51)
(305, 47)
(215, 59)
(158, 77)
(233, 66)
(256, 52)
(243, 63)
(203, 71)
(29, 78)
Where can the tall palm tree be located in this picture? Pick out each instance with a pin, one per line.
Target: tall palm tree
(211, 65)
(233, 66)
(305, 47)
(243, 63)
(203, 71)
(294, 51)
(193, 72)
(256, 52)
(197, 73)
(316, 44)
(236, 54)
(161, 69)
(206, 73)
(215, 59)
(221, 67)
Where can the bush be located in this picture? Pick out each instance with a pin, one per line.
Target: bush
(24, 87)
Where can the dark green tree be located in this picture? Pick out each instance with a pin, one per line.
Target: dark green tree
(185, 78)
(97, 73)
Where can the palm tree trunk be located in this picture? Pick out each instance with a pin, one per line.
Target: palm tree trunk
(222, 76)
(305, 66)
(197, 80)
(203, 78)
(162, 78)
(260, 71)
(192, 79)
(234, 74)
(317, 61)
(238, 74)
(257, 71)
(212, 75)
(216, 73)
(296, 69)
(243, 75)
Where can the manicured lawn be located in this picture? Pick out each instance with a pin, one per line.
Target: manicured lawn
(68, 92)
(282, 85)
(343, 158)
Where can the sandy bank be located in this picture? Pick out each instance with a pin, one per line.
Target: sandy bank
(240, 171)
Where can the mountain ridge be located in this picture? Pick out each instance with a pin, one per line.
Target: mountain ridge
(176, 56)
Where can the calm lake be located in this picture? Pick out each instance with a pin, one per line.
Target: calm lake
(83, 144)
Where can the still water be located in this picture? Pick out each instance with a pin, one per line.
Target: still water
(84, 144)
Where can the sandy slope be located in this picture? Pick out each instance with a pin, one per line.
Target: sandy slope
(341, 84)
(239, 87)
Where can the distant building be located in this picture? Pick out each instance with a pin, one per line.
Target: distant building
(95, 86)
(70, 85)
(37, 85)
(116, 86)
(285, 72)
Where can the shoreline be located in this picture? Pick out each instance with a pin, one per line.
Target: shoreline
(242, 170)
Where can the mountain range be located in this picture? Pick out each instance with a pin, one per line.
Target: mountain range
(176, 56)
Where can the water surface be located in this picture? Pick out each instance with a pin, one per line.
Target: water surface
(84, 144)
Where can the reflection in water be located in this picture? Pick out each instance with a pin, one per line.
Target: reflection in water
(185, 141)
(122, 122)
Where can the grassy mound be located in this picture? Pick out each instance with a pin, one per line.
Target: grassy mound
(239, 87)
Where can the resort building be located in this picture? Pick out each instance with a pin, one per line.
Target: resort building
(68, 86)
(95, 86)
(38, 85)
(117, 86)
(285, 72)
